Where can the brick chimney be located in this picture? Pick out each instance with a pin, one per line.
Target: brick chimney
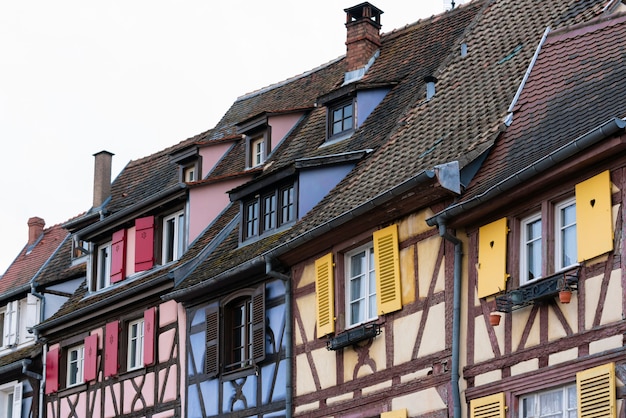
(101, 177)
(35, 229)
(363, 25)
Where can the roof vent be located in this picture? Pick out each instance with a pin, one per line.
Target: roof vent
(363, 37)
(430, 86)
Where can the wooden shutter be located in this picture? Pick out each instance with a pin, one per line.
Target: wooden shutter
(17, 400)
(52, 371)
(596, 392)
(258, 324)
(111, 335)
(594, 224)
(211, 365)
(492, 258)
(144, 243)
(325, 295)
(491, 406)
(387, 265)
(118, 256)
(149, 336)
(90, 368)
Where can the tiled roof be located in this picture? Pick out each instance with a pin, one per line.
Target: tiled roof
(574, 87)
(29, 352)
(410, 135)
(30, 260)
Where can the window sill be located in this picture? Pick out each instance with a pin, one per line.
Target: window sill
(538, 291)
(353, 336)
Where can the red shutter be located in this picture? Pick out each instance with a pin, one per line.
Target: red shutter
(144, 243)
(52, 371)
(90, 371)
(110, 348)
(118, 256)
(149, 335)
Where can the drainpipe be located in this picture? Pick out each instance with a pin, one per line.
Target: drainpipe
(456, 316)
(288, 333)
(42, 377)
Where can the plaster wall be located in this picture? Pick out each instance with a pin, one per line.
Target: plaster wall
(281, 125)
(211, 155)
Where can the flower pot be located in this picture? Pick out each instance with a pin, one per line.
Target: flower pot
(565, 296)
(494, 319)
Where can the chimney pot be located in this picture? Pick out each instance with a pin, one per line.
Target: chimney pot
(35, 229)
(102, 177)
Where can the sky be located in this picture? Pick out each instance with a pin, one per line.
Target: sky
(134, 77)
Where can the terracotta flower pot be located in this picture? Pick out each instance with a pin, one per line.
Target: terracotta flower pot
(494, 319)
(565, 296)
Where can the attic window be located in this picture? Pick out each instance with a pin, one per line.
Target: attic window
(189, 173)
(265, 212)
(341, 118)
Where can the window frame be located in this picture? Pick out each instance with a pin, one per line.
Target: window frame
(232, 363)
(80, 365)
(102, 279)
(566, 391)
(341, 106)
(10, 407)
(2, 326)
(258, 146)
(255, 211)
(370, 278)
(135, 359)
(558, 234)
(173, 239)
(525, 241)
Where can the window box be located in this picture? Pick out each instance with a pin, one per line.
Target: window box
(537, 291)
(353, 336)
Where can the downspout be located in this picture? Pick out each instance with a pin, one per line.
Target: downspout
(456, 316)
(44, 349)
(288, 333)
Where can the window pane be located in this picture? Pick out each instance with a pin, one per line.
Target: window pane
(533, 249)
(286, 205)
(361, 286)
(568, 236)
(269, 212)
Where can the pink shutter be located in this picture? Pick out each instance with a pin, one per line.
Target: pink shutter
(110, 348)
(90, 371)
(144, 243)
(52, 371)
(149, 334)
(118, 256)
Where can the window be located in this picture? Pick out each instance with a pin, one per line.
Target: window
(189, 173)
(565, 234)
(103, 273)
(341, 118)
(10, 324)
(75, 359)
(553, 403)
(257, 148)
(243, 324)
(531, 250)
(135, 344)
(173, 236)
(372, 282)
(360, 286)
(268, 211)
(11, 400)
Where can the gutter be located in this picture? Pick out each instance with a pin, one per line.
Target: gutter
(607, 129)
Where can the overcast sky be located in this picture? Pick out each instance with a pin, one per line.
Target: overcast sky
(136, 76)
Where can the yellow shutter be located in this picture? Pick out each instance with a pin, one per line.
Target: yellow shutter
(492, 258)
(324, 290)
(399, 413)
(596, 392)
(491, 406)
(594, 225)
(387, 265)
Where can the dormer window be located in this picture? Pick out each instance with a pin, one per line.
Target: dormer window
(257, 150)
(341, 118)
(189, 173)
(189, 164)
(269, 210)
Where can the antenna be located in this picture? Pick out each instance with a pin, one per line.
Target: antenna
(448, 4)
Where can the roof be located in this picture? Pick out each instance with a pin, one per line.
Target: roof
(407, 132)
(573, 88)
(30, 261)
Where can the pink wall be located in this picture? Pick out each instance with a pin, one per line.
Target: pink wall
(281, 125)
(211, 155)
(206, 202)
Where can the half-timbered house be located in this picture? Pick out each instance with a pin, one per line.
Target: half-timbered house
(542, 226)
(27, 298)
